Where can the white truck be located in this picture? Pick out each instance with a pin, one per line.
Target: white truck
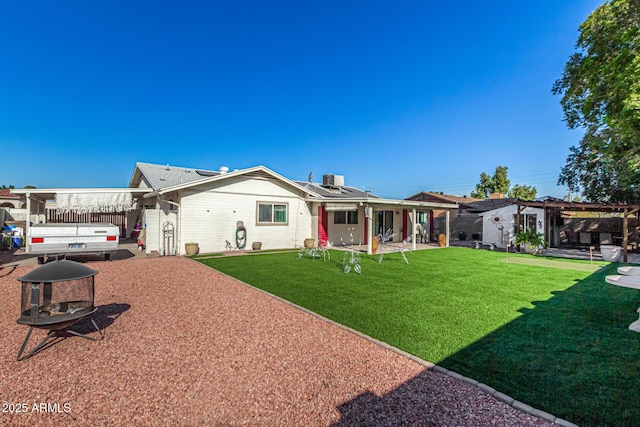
(46, 240)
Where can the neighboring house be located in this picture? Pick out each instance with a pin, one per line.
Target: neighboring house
(470, 219)
(10, 200)
(488, 220)
(12, 210)
(176, 206)
(435, 219)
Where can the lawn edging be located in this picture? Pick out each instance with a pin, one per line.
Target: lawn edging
(516, 404)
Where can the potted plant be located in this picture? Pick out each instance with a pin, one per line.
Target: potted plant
(191, 248)
(531, 242)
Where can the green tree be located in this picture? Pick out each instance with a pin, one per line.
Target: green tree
(484, 188)
(4, 187)
(498, 183)
(523, 192)
(600, 90)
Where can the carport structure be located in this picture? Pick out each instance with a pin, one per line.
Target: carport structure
(96, 200)
(553, 209)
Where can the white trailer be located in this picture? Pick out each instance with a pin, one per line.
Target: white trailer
(86, 238)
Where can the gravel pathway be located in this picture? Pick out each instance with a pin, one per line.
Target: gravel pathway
(187, 346)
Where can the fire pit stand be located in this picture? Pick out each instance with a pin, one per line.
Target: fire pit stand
(54, 297)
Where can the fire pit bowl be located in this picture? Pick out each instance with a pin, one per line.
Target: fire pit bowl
(54, 297)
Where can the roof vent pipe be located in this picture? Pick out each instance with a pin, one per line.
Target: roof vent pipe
(224, 169)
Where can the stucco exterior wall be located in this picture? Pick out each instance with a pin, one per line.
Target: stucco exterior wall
(155, 237)
(340, 234)
(504, 218)
(209, 215)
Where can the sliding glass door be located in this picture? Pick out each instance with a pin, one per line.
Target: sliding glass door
(383, 222)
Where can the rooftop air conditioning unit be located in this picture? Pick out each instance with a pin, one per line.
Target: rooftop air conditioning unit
(332, 180)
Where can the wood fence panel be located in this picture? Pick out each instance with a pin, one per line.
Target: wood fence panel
(115, 218)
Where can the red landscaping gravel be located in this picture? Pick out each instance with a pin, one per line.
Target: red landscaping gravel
(187, 346)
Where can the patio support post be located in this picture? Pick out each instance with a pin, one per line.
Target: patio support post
(413, 228)
(633, 212)
(635, 231)
(547, 219)
(27, 225)
(369, 211)
(446, 232)
(516, 227)
(625, 235)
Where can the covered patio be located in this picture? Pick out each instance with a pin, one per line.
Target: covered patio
(357, 221)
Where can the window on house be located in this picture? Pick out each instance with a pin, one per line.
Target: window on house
(272, 213)
(345, 217)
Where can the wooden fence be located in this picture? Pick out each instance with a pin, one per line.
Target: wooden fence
(115, 218)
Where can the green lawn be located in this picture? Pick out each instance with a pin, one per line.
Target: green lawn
(553, 335)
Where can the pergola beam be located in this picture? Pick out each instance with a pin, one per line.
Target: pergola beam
(626, 210)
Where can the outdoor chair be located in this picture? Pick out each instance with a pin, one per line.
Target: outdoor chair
(606, 239)
(585, 239)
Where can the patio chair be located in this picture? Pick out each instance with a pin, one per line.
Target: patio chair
(387, 237)
(606, 239)
(585, 239)
(572, 238)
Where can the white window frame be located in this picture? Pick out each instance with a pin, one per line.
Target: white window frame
(348, 215)
(273, 205)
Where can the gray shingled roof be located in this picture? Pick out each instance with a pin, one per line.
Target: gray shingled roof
(343, 192)
(487, 205)
(159, 176)
(163, 176)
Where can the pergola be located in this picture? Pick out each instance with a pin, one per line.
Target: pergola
(557, 206)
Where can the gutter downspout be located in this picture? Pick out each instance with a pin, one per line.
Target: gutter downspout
(179, 232)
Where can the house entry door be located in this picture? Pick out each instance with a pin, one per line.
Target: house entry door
(384, 222)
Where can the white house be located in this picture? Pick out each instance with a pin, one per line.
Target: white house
(498, 225)
(176, 206)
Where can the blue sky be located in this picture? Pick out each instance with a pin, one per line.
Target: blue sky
(399, 97)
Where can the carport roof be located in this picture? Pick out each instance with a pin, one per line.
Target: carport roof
(50, 193)
(45, 194)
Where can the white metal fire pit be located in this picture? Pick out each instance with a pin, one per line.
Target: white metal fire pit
(54, 297)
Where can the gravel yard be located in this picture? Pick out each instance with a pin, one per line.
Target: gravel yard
(187, 346)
